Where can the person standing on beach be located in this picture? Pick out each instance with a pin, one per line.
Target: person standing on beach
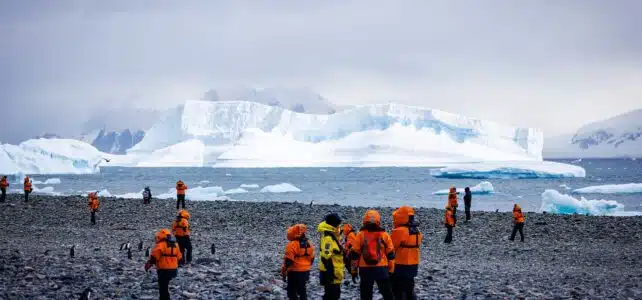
(4, 184)
(28, 188)
(331, 266)
(181, 230)
(468, 198)
(518, 223)
(449, 221)
(406, 239)
(348, 240)
(180, 194)
(165, 256)
(375, 252)
(452, 201)
(147, 196)
(297, 261)
(94, 203)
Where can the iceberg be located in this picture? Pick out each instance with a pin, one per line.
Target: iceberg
(50, 156)
(555, 202)
(280, 188)
(482, 188)
(236, 191)
(250, 134)
(627, 188)
(49, 181)
(509, 170)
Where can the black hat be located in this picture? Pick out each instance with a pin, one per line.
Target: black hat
(333, 220)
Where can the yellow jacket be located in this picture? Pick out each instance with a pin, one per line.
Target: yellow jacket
(331, 265)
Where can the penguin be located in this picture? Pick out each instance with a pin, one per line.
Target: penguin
(129, 246)
(86, 294)
(72, 251)
(311, 203)
(46, 252)
(147, 252)
(129, 253)
(140, 245)
(213, 249)
(122, 245)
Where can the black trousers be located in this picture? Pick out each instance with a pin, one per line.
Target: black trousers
(4, 194)
(467, 208)
(332, 291)
(27, 195)
(164, 276)
(366, 289)
(297, 285)
(449, 234)
(403, 287)
(185, 244)
(147, 200)
(93, 217)
(180, 199)
(518, 227)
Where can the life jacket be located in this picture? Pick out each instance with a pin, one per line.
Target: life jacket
(4, 183)
(449, 219)
(167, 254)
(180, 188)
(372, 248)
(27, 185)
(180, 227)
(518, 215)
(299, 255)
(407, 239)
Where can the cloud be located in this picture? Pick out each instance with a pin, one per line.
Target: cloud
(548, 64)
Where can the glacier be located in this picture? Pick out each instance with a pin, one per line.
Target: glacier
(250, 134)
(555, 202)
(483, 188)
(50, 156)
(627, 188)
(509, 170)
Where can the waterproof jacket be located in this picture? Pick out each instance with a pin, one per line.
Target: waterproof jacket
(449, 219)
(452, 199)
(180, 227)
(331, 265)
(4, 183)
(518, 215)
(406, 237)
(468, 197)
(27, 185)
(371, 232)
(349, 236)
(299, 255)
(166, 255)
(94, 203)
(180, 188)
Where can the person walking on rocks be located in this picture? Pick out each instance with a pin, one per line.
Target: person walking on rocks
(28, 188)
(407, 240)
(449, 221)
(94, 203)
(452, 201)
(4, 184)
(375, 252)
(181, 230)
(349, 238)
(147, 196)
(297, 261)
(180, 194)
(468, 198)
(165, 257)
(518, 220)
(331, 266)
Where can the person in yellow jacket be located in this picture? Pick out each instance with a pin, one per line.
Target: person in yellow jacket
(94, 203)
(182, 231)
(407, 240)
(331, 266)
(518, 221)
(297, 262)
(165, 257)
(375, 252)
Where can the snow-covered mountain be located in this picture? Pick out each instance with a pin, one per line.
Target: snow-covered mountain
(113, 142)
(619, 136)
(240, 133)
(302, 100)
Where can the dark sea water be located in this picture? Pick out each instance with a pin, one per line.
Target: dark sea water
(357, 186)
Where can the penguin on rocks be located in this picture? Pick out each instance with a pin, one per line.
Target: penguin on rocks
(72, 251)
(86, 294)
(140, 245)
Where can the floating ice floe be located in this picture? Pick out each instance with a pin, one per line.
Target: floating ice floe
(236, 191)
(49, 181)
(249, 186)
(280, 188)
(509, 170)
(482, 188)
(627, 188)
(558, 203)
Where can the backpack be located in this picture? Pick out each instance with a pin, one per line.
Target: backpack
(372, 247)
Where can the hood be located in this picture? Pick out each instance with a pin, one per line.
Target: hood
(402, 215)
(162, 235)
(372, 217)
(323, 227)
(296, 232)
(346, 229)
(516, 207)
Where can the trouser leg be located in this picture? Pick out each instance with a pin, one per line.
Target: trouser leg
(93, 217)
(521, 231)
(468, 213)
(182, 246)
(384, 289)
(449, 234)
(512, 235)
(163, 285)
(332, 292)
(365, 288)
(3, 197)
(188, 249)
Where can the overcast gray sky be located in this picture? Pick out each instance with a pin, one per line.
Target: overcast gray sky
(554, 65)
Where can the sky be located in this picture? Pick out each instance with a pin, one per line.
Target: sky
(553, 65)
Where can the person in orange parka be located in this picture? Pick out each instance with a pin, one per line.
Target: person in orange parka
(4, 184)
(349, 238)
(407, 240)
(28, 188)
(452, 201)
(375, 252)
(165, 256)
(518, 220)
(297, 261)
(94, 203)
(180, 193)
(449, 221)
(182, 231)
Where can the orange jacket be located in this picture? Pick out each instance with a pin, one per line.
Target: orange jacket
(299, 255)
(166, 255)
(449, 220)
(94, 203)
(27, 185)
(180, 227)
(4, 183)
(518, 215)
(349, 237)
(406, 239)
(180, 188)
(370, 231)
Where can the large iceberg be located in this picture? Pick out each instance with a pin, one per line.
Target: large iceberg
(50, 156)
(509, 170)
(483, 188)
(249, 134)
(627, 188)
(555, 202)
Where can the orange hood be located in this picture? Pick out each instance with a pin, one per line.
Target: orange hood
(297, 231)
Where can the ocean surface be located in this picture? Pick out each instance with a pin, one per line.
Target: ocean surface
(354, 186)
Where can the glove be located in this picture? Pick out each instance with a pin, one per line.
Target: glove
(148, 266)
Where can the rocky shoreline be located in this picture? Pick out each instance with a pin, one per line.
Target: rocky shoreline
(564, 257)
